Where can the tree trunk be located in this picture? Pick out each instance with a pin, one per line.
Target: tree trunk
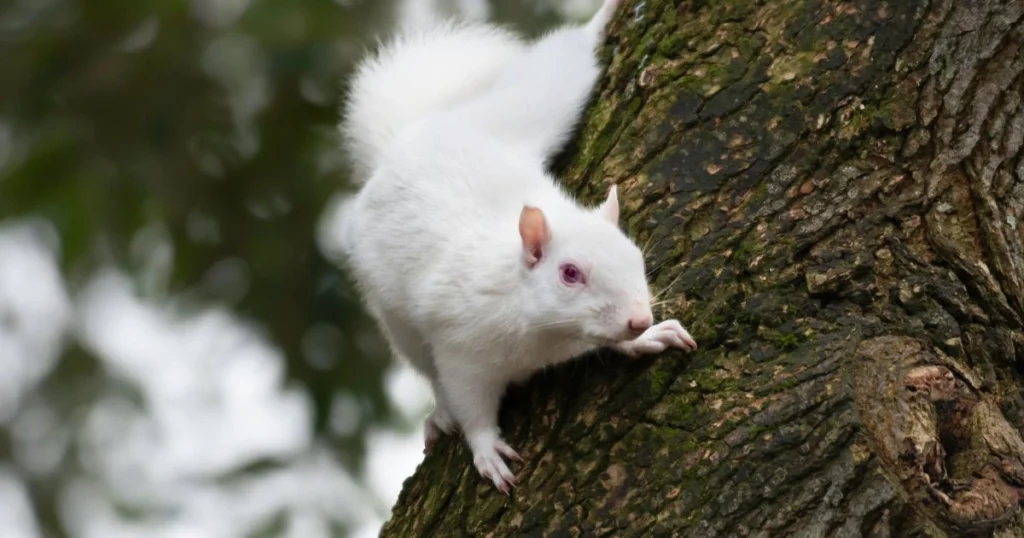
(832, 194)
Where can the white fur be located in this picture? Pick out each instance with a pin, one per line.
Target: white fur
(430, 66)
(453, 124)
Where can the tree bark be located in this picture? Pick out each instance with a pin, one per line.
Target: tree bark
(831, 194)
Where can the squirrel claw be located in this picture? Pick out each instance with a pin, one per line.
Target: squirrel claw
(507, 451)
(668, 333)
(437, 423)
(492, 467)
(430, 437)
(431, 433)
(505, 487)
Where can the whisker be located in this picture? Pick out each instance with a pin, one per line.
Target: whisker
(666, 288)
(647, 246)
(657, 296)
(660, 303)
(652, 270)
(559, 323)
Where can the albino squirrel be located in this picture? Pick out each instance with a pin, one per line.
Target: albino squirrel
(478, 268)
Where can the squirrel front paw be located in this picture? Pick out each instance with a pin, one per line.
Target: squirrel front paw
(489, 453)
(668, 333)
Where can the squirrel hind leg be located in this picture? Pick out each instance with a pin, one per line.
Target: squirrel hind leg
(438, 423)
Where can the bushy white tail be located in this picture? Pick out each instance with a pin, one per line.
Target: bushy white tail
(425, 69)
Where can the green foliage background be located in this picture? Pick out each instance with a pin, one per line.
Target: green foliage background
(133, 124)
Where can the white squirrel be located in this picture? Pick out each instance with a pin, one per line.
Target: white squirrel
(478, 268)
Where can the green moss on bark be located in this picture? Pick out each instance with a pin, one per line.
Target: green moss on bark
(828, 192)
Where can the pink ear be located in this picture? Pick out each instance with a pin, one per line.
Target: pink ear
(610, 207)
(533, 228)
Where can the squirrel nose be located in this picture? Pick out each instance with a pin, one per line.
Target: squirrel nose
(639, 324)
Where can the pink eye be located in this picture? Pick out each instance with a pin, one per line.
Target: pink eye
(571, 274)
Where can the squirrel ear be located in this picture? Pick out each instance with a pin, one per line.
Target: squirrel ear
(610, 207)
(533, 228)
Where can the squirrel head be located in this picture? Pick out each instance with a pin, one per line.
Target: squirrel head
(584, 276)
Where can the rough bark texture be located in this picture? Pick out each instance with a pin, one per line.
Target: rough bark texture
(832, 193)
